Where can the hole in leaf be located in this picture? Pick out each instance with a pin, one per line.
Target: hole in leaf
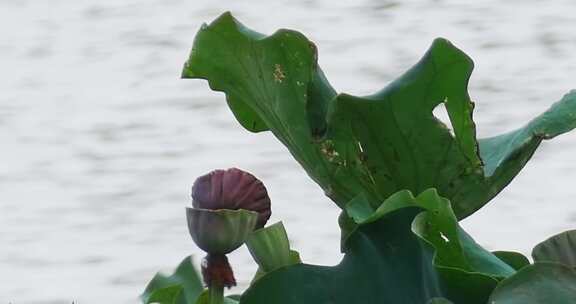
(360, 147)
(441, 114)
(445, 238)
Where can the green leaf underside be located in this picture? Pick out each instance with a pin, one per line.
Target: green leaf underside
(171, 294)
(205, 299)
(182, 287)
(378, 144)
(516, 260)
(560, 248)
(294, 259)
(439, 301)
(540, 283)
(270, 248)
(389, 247)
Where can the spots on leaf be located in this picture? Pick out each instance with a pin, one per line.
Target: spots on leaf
(279, 75)
(328, 150)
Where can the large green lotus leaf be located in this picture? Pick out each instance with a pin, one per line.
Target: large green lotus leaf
(388, 247)
(182, 287)
(560, 248)
(459, 260)
(540, 283)
(438, 226)
(505, 155)
(390, 267)
(403, 146)
(378, 144)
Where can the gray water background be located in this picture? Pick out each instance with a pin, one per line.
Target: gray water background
(100, 140)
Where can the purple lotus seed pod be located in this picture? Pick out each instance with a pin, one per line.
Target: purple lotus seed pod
(232, 189)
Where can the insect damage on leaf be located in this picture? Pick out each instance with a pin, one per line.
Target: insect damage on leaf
(278, 73)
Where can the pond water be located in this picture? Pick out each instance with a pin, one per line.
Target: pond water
(101, 140)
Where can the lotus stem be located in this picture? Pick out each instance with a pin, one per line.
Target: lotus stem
(216, 294)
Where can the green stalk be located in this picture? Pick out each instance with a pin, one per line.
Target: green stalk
(216, 294)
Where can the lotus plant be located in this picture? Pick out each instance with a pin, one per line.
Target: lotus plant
(402, 178)
(227, 206)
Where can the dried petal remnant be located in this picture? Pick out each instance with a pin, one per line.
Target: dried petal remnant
(232, 189)
(216, 271)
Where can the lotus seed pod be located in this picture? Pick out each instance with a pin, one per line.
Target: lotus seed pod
(232, 189)
(220, 232)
